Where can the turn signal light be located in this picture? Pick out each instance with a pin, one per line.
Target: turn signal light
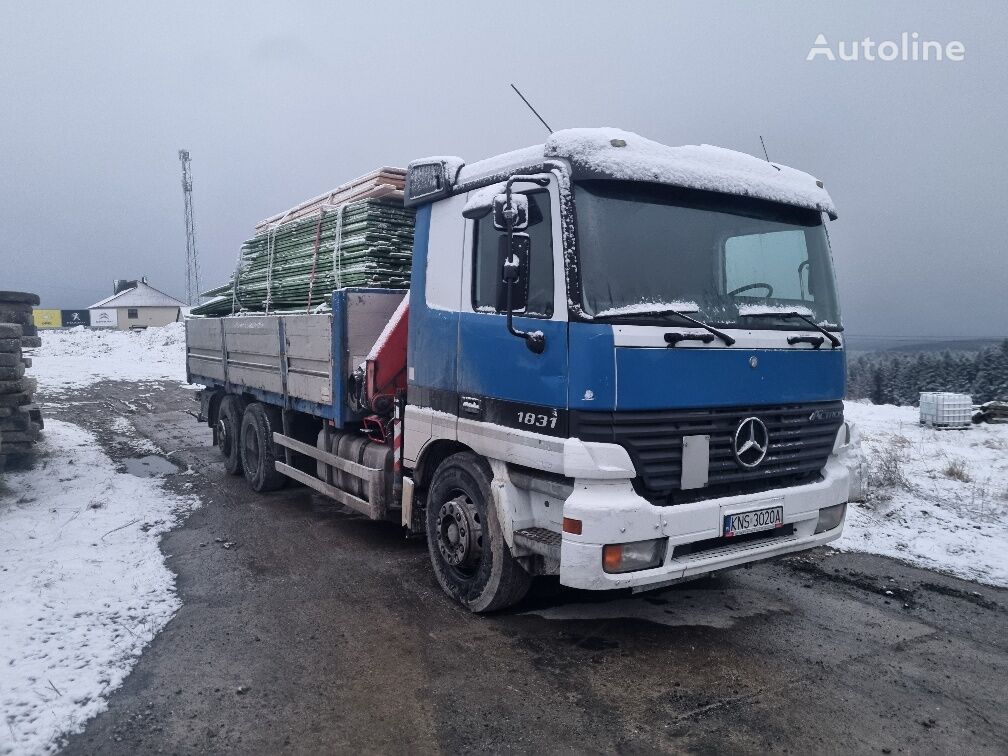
(570, 525)
(612, 557)
(629, 557)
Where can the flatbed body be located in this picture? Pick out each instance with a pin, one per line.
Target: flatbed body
(295, 360)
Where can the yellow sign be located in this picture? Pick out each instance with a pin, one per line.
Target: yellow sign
(47, 318)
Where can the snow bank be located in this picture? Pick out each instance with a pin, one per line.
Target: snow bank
(84, 585)
(936, 498)
(80, 356)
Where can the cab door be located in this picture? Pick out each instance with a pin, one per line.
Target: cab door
(500, 380)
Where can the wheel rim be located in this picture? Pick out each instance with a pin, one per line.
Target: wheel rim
(460, 534)
(252, 451)
(223, 436)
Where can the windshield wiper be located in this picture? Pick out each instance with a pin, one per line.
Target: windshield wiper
(833, 340)
(676, 337)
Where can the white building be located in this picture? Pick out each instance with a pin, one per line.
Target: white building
(135, 304)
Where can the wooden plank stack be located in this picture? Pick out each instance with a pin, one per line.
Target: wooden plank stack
(357, 235)
(991, 412)
(383, 182)
(20, 419)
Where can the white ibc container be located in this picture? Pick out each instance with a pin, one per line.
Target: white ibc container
(943, 409)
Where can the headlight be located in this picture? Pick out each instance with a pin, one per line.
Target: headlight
(629, 557)
(830, 517)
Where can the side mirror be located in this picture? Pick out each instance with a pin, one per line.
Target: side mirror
(513, 259)
(479, 205)
(518, 212)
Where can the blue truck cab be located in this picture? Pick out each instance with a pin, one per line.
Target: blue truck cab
(683, 413)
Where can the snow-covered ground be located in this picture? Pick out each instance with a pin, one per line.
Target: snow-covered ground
(84, 584)
(936, 498)
(79, 357)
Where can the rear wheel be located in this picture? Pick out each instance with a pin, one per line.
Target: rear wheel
(258, 451)
(471, 560)
(228, 430)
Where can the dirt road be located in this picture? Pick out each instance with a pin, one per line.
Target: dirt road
(306, 629)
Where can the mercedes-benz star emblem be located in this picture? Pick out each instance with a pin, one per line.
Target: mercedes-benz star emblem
(751, 442)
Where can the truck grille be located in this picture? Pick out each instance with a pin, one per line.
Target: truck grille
(800, 440)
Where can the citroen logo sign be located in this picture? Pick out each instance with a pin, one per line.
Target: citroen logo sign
(751, 442)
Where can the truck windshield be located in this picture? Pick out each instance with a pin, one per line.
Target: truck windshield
(645, 248)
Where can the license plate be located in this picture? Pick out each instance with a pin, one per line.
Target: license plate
(741, 523)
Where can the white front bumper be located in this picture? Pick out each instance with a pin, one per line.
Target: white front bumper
(612, 512)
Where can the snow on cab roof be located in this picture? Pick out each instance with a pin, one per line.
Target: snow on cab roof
(616, 154)
(499, 164)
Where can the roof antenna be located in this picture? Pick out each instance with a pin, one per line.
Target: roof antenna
(765, 152)
(532, 109)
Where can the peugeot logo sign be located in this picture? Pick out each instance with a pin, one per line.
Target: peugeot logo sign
(751, 442)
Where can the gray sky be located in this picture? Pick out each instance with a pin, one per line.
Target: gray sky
(281, 101)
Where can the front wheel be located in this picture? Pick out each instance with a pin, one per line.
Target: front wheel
(471, 560)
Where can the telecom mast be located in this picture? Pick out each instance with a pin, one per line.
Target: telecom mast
(191, 257)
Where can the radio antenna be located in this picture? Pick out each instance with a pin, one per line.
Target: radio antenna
(765, 152)
(534, 112)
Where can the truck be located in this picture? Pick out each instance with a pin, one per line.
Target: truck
(617, 362)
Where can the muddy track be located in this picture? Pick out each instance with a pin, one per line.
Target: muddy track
(307, 629)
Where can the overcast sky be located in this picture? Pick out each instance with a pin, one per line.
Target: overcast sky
(280, 101)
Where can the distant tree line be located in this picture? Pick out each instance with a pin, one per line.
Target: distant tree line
(892, 378)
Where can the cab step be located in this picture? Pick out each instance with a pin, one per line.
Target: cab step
(545, 543)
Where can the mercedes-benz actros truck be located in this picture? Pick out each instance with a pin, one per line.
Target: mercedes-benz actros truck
(617, 362)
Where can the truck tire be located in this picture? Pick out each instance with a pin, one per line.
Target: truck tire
(472, 562)
(228, 432)
(258, 451)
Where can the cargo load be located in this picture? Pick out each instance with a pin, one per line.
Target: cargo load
(357, 235)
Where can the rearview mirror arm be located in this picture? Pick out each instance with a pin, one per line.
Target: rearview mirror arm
(534, 340)
(510, 212)
(537, 180)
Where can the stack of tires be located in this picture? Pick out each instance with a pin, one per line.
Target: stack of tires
(20, 418)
